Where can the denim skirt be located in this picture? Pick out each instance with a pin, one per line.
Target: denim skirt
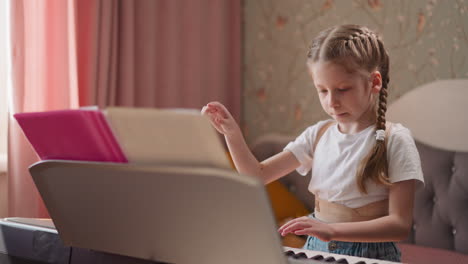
(377, 250)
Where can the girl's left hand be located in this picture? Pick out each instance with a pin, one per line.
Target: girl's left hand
(307, 226)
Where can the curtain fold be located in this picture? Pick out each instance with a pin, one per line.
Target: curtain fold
(163, 53)
(44, 78)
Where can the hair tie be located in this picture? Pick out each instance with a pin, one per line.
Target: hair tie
(380, 135)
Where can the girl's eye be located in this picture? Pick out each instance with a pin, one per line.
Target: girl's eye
(322, 91)
(344, 89)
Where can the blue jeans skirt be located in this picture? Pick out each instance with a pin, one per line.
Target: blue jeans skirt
(377, 250)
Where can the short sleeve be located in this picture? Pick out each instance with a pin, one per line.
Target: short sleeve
(403, 156)
(301, 147)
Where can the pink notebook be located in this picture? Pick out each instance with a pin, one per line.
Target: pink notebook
(71, 135)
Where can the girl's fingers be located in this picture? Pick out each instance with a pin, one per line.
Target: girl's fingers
(304, 231)
(203, 109)
(219, 108)
(212, 114)
(210, 106)
(294, 228)
(207, 110)
(290, 223)
(219, 116)
(286, 225)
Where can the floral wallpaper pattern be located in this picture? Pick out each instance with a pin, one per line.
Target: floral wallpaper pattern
(426, 40)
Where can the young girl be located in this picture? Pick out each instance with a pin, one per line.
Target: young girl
(364, 169)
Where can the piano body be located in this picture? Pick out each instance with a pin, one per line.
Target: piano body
(122, 213)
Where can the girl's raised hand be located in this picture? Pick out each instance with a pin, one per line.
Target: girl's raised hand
(307, 226)
(220, 118)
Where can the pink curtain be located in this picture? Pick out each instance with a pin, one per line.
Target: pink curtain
(162, 53)
(145, 53)
(44, 78)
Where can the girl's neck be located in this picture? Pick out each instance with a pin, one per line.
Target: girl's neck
(358, 125)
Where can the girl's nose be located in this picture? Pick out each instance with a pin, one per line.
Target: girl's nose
(333, 100)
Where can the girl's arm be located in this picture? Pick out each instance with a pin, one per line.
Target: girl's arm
(394, 227)
(268, 170)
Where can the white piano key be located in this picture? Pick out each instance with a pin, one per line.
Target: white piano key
(350, 259)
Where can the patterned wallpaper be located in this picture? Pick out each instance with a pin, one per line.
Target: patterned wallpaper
(426, 40)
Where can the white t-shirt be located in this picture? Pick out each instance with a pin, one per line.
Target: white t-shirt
(338, 155)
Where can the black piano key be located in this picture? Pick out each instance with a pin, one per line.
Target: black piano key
(317, 257)
(300, 255)
(289, 253)
(360, 262)
(329, 259)
(342, 261)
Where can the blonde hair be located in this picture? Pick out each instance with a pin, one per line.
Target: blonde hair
(358, 48)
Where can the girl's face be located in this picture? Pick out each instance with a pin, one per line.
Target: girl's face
(349, 98)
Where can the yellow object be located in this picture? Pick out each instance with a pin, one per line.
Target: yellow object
(286, 207)
(284, 203)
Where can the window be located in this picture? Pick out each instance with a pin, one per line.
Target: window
(5, 79)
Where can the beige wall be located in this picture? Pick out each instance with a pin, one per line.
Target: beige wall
(427, 40)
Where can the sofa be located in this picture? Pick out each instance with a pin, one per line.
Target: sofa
(440, 215)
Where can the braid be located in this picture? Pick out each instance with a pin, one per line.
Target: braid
(375, 165)
(382, 107)
(384, 68)
(362, 43)
(368, 49)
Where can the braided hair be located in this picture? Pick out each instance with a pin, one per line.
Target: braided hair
(358, 48)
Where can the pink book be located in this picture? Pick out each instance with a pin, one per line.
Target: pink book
(71, 135)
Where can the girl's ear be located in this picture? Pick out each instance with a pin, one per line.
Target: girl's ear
(376, 82)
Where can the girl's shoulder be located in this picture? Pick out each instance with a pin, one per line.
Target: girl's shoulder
(310, 133)
(403, 156)
(400, 136)
(313, 129)
(398, 131)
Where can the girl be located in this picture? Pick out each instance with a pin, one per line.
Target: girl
(363, 169)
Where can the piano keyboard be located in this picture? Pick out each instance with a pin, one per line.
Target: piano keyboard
(304, 256)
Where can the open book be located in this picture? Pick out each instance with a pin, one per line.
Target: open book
(119, 134)
(71, 135)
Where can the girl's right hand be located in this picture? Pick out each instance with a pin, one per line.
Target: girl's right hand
(220, 118)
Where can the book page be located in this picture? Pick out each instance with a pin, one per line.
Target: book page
(167, 136)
